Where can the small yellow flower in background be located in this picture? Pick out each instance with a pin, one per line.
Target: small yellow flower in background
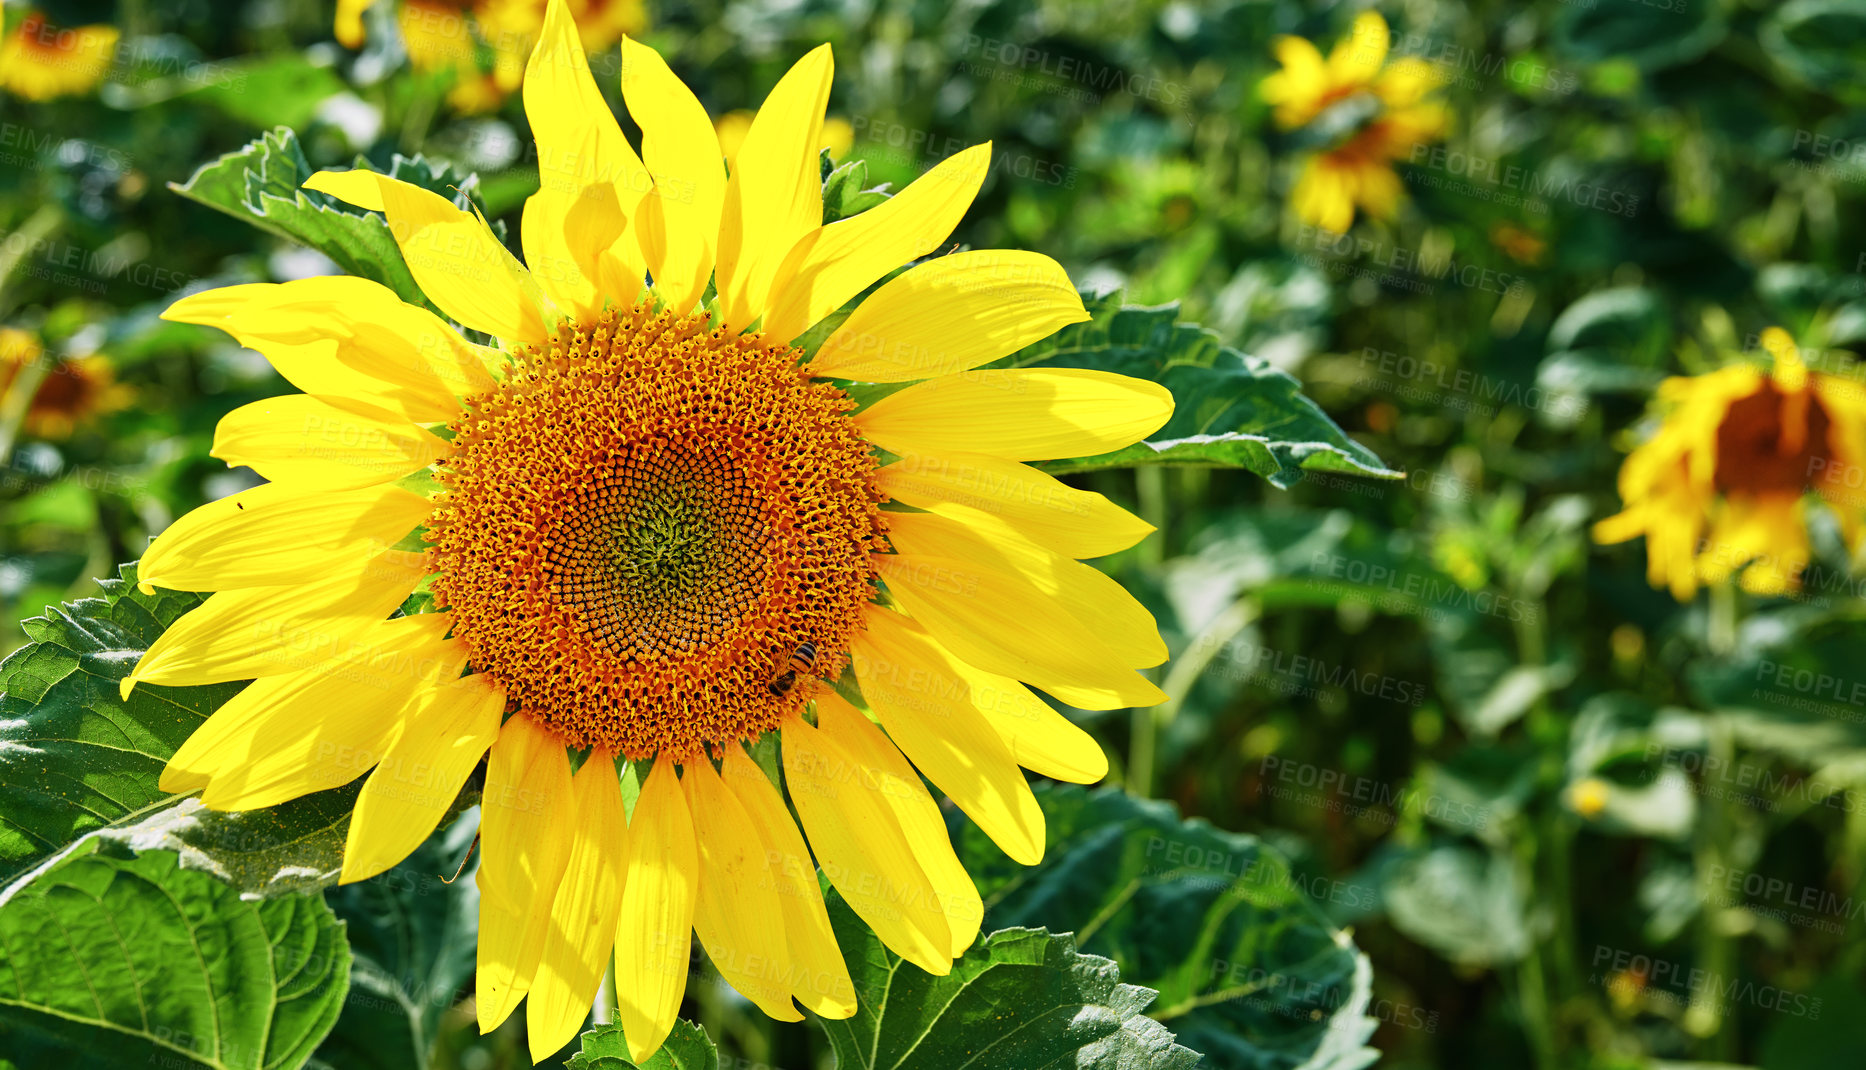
(1395, 114)
(655, 534)
(1723, 485)
(74, 390)
(449, 34)
(1589, 797)
(40, 61)
(1518, 244)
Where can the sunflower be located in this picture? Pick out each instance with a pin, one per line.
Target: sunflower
(449, 34)
(1372, 112)
(838, 135)
(40, 60)
(73, 391)
(1723, 485)
(655, 532)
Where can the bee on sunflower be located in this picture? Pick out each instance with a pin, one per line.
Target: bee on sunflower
(1364, 111)
(652, 530)
(41, 60)
(1723, 486)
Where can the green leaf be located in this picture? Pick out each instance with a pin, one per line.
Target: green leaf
(131, 957)
(1248, 970)
(1231, 409)
(1020, 997)
(414, 936)
(261, 184)
(1464, 902)
(846, 192)
(687, 1048)
(1818, 41)
(1652, 35)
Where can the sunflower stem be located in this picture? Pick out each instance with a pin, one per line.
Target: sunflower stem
(603, 1010)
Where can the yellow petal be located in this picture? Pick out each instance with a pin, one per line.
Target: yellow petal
(525, 831)
(1028, 415)
(737, 897)
(301, 440)
(590, 181)
(819, 979)
(583, 916)
(997, 620)
(926, 704)
(950, 314)
(832, 264)
(453, 256)
(775, 194)
(273, 535)
(1085, 593)
(856, 834)
(349, 341)
(904, 672)
(880, 764)
(1358, 57)
(349, 28)
(679, 231)
(268, 631)
(654, 935)
(448, 729)
(1074, 523)
(286, 736)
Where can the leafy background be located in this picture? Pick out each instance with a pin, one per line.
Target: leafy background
(1438, 780)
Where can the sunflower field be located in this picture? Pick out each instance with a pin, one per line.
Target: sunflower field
(891, 535)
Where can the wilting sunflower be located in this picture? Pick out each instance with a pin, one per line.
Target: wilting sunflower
(1370, 112)
(71, 392)
(653, 533)
(40, 60)
(452, 34)
(1723, 485)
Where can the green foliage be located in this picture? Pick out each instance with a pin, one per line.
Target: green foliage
(687, 1048)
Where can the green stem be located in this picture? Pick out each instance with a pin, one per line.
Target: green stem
(1143, 726)
(1716, 950)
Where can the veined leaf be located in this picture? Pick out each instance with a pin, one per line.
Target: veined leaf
(1231, 409)
(1248, 970)
(129, 958)
(261, 184)
(1021, 998)
(687, 1048)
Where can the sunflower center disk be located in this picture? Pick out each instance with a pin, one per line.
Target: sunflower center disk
(644, 521)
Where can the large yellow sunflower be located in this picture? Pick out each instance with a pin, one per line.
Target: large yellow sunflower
(1358, 168)
(655, 533)
(1723, 485)
(40, 60)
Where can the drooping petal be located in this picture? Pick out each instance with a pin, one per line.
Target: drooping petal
(1074, 523)
(348, 341)
(679, 228)
(881, 764)
(819, 979)
(1028, 415)
(590, 182)
(448, 729)
(1086, 593)
(583, 916)
(454, 257)
(775, 194)
(950, 314)
(269, 631)
(654, 935)
(273, 534)
(856, 834)
(304, 441)
(906, 674)
(738, 897)
(997, 620)
(286, 736)
(832, 264)
(525, 832)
